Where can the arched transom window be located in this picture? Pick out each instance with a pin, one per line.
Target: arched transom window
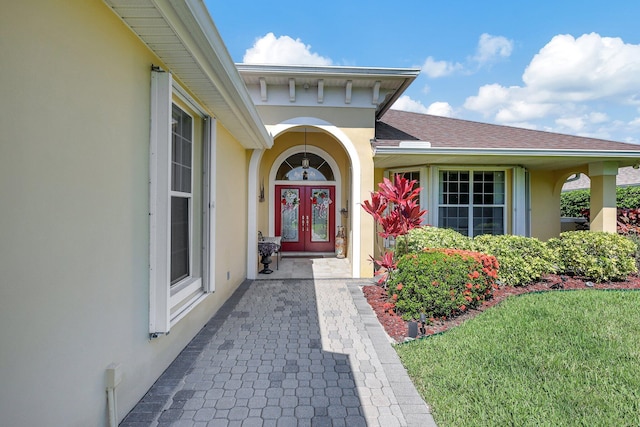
(292, 169)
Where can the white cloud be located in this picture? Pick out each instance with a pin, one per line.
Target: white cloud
(435, 69)
(522, 110)
(491, 48)
(561, 80)
(405, 103)
(589, 67)
(282, 50)
(488, 99)
(440, 109)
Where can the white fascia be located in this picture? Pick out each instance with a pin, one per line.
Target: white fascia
(602, 154)
(231, 84)
(331, 71)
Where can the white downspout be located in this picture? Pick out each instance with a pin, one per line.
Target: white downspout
(114, 377)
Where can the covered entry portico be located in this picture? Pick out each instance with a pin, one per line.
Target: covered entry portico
(305, 206)
(336, 108)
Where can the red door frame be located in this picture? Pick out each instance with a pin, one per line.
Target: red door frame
(304, 242)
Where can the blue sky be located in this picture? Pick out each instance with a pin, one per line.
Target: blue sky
(565, 66)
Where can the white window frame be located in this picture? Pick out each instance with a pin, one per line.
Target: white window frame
(436, 193)
(521, 202)
(424, 183)
(190, 291)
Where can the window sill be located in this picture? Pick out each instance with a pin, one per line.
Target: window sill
(183, 289)
(187, 307)
(185, 296)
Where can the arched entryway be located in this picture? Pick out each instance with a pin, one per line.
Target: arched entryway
(305, 183)
(261, 183)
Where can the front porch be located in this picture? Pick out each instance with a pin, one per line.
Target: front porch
(320, 266)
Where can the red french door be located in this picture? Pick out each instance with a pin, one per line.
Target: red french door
(305, 217)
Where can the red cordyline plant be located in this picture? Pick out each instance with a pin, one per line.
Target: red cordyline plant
(395, 208)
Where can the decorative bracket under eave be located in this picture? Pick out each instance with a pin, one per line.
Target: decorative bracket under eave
(376, 93)
(320, 91)
(292, 90)
(263, 89)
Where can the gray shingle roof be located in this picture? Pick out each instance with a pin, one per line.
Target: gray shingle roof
(445, 132)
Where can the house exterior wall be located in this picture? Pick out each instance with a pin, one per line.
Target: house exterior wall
(74, 185)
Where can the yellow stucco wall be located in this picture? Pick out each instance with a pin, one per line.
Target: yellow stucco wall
(231, 213)
(545, 200)
(342, 117)
(367, 236)
(74, 181)
(545, 204)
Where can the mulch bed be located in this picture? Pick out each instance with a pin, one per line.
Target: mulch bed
(397, 328)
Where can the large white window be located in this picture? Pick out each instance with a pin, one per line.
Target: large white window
(181, 203)
(472, 202)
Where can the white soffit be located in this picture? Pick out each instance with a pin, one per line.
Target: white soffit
(182, 34)
(331, 86)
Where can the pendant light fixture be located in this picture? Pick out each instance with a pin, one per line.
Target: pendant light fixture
(305, 159)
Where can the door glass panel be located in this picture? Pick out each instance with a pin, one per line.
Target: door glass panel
(320, 202)
(289, 211)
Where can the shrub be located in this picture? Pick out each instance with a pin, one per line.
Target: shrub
(628, 221)
(522, 259)
(635, 239)
(572, 203)
(427, 237)
(595, 255)
(442, 282)
(628, 197)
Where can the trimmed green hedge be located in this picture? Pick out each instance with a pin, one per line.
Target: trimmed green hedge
(428, 237)
(596, 255)
(522, 259)
(573, 202)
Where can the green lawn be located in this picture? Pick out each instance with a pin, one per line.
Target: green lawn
(545, 359)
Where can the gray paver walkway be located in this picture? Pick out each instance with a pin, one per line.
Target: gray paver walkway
(287, 353)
